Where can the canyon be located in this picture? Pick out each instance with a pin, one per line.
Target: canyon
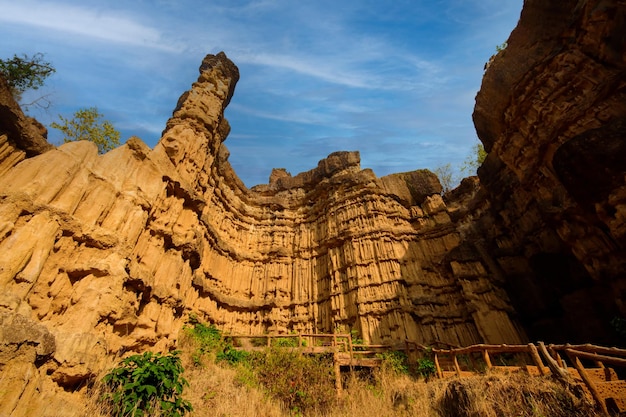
(106, 255)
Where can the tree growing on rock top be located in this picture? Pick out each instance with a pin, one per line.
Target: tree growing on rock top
(88, 124)
(474, 160)
(25, 73)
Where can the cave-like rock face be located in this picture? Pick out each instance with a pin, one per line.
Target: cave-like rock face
(102, 255)
(552, 115)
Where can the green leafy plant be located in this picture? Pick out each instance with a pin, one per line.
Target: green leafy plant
(285, 342)
(426, 367)
(301, 382)
(474, 160)
(210, 341)
(207, 339)
(142, 384)
(231, 355)
(395, 361)
(87, 124)
(25, 73)
(501, 47)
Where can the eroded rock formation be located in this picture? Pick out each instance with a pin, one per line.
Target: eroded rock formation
(107, 254)
(552, 115)
(102, 255)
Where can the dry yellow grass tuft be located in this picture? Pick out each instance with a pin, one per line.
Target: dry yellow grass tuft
(220, 390)
(216, 391)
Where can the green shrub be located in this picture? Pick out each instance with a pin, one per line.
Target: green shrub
(301, 382)
(395, 361)
(357, 342)
(142, 383)
(208, 339)
(231, 355)
(426, 367)
(285, 342)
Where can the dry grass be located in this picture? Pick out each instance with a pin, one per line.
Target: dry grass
(218, 390)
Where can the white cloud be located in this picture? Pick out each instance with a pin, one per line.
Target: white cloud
(108, 26)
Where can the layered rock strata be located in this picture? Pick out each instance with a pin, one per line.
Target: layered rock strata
(552, 115)
(103, 255)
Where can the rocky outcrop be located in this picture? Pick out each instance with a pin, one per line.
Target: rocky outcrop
(552, 115)
(20, 136)
(103, 255)
(108, 254)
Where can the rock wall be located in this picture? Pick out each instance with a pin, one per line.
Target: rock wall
(551, 112)
(102, 255)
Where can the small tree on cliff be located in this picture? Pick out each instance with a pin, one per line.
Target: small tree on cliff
(26, 73)
(474, 160)
(446, 177)
(87, 124)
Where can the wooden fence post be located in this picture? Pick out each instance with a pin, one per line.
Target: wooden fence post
(536, 358)
(553, 365)
(487, 359)
(457, 368)
(592, 387)
(438, 368)
(337, 368)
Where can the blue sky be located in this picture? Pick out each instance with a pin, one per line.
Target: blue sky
(395, 80)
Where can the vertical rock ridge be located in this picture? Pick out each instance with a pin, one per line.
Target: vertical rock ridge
(551, 113)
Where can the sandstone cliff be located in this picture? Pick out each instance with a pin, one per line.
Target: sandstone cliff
(102, 255)
(551, 112)
(107, 254)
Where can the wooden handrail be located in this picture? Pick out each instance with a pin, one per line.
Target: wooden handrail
(595, 357)
(592, 349)
(482, 347)
(342, 343)
(600, 354)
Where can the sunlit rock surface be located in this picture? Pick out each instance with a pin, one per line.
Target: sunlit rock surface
(105, 255)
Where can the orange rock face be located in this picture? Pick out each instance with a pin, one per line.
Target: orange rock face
(104, 255)
(107, 254)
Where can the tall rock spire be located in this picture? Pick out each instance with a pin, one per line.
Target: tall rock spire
(197, 128)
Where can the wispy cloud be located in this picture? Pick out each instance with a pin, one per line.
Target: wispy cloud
(105, 25)
(395, 80)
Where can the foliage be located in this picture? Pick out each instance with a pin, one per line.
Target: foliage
(301, 382)
(142, 383)
(285, 342)
(395, 361)
(208, 337)
(210, 341)
(87, 125)
(474, 160)
(446, 177)
(231, 355)
(501, 47)
(426, 367)
(357, 342)
(25, 73)
(356, 338)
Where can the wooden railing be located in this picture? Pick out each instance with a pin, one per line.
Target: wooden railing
(554, 359)
(340, 345)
